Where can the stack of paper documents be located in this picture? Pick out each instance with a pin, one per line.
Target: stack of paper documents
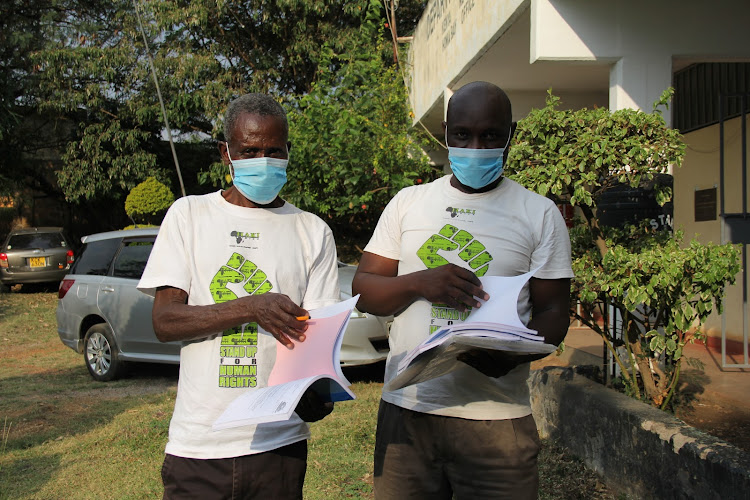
(482, 335)
(495, 325)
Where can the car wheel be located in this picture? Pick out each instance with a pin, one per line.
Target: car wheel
(100, 353)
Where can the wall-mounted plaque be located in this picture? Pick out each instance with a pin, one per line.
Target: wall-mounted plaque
(705, 204)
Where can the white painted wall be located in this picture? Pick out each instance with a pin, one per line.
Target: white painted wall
(641, 38)
(640, 42)
(611, 29)
(700, 170)
(450, 34)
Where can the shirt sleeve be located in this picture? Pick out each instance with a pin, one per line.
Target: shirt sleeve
(386, 239)
(323, 283)
(553, 251)
(168, 264)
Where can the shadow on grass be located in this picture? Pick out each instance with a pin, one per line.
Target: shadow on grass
(29, 288)
(563, 476)
(68, 402)
(28, 475)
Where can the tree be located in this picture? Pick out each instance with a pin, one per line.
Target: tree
(354, 147)
(662, 290)
(25, 27)
(352, 143)
(84, 64)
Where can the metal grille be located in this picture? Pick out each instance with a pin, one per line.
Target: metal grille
(697, 90)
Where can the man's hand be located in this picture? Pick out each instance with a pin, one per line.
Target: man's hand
(277, 314)
(310, 407)
(383, 292)
(175, 320)
(451, 285)
(490, 362)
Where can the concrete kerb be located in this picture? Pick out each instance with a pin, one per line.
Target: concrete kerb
(637, 449)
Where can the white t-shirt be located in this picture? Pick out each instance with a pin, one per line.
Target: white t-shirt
(217, 251)
(504, 232)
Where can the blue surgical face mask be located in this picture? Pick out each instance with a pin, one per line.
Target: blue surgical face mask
(476, 168)
(259, 179)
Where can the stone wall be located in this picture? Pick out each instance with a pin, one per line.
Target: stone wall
(637, 449)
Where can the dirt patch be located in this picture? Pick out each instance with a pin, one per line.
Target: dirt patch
(721, 418)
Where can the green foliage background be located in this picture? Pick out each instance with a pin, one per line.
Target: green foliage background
(76, 73)
(663, 289)
(354, 147)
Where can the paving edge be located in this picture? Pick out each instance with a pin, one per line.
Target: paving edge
(637, 449)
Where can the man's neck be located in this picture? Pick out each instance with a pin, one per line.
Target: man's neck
(233, 196)
(470, 190)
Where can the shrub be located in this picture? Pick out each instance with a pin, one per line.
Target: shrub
(148, 202)
(662, 289)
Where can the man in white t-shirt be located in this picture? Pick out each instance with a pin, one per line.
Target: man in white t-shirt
(223, 265)
(468, 434)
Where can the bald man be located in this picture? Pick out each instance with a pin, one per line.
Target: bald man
(468, 434)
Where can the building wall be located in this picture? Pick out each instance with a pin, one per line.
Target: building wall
(611, 29)
(643, 39)
(699, 171)
(448, 37)
(639, 43)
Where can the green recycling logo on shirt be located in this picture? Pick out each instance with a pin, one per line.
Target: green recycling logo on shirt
(239, 345)
(470, 250)
(452, 239)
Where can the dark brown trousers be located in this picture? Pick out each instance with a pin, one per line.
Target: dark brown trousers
(277, 474)
(421, 456)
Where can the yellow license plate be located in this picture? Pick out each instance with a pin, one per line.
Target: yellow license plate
(37, 262)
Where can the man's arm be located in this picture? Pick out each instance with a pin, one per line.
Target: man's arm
(384, 293)
(550, 308)
(175, 320)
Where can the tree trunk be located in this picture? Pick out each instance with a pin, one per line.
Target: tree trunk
(593, 224)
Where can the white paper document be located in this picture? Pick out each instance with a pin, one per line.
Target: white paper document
(495, 325)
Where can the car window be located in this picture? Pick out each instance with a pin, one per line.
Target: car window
(96, 257)
(132, 258)
(45, 241)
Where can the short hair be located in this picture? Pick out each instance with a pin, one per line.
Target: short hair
(255, 104)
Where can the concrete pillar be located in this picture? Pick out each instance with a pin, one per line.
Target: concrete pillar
(636, 81)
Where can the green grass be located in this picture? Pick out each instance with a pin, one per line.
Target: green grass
(65, 436)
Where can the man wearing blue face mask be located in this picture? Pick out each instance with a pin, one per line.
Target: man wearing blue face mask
(231, 273)
(468, 434)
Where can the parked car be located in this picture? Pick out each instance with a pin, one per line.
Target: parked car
(366, 337)
(35, 255)
(102, 315)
